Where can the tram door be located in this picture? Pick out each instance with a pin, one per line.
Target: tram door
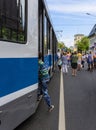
(40, 29)
(45, 37)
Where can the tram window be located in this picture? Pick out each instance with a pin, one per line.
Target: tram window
(45, 36)
(51, 38)
(48, 35)
(13, 20)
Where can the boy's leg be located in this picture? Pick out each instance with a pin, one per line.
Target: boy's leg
(45, 93)
(46, 96)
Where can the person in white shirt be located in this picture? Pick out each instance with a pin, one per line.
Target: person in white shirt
(58, 54)
(64, 63)
(83, 60)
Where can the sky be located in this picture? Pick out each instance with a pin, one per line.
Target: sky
(69, 18)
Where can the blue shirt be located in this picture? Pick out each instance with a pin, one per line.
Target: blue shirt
(64, 60)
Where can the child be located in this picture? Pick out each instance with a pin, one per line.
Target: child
(43, 79)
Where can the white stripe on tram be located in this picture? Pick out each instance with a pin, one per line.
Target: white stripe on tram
(61, 105)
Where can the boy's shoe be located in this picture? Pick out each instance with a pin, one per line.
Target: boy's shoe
(51, 108)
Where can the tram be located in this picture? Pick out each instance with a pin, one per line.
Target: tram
(25, 30)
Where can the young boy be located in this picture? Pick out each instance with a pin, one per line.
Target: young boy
(43, 79)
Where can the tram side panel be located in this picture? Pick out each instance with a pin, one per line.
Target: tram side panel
(19, 74)
(19, 64)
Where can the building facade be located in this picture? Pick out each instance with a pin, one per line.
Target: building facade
(77, 37)
(92, 37)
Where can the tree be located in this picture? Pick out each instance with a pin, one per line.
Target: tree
(83, 45)
(61, 45)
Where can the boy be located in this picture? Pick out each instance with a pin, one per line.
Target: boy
(43, 79)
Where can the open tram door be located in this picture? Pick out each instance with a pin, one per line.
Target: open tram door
(46, 37)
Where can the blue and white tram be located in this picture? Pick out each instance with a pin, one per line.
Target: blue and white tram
(25, 29)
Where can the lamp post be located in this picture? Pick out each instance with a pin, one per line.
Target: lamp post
(91, 14)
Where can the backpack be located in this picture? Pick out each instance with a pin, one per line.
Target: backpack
(74, 59)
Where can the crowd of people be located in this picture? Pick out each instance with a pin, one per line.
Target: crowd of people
(64, 60)
(76, 60)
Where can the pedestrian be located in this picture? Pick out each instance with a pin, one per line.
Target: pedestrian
(64, 63)
(43, 80)
(83, 60)
(79, 61)
(71, 58)
(94, 59)
(90, 61)
(68, 58)
(58, 54)
(59, 63)
(74, 60)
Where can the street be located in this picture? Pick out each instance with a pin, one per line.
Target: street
(79, 100)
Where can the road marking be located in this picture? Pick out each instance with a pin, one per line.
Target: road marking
(61, 105)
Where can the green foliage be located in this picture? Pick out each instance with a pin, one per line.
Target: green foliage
(9, 34)
(69, 50)
(83, 45)
(61, 45)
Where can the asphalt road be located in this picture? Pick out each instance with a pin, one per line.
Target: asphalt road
(80, 104)
(80, 100)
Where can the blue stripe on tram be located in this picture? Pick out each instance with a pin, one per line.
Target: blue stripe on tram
(17, 73)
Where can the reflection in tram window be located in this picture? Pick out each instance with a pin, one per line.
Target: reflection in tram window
(12, 20)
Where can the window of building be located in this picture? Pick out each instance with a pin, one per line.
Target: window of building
(13, 20)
